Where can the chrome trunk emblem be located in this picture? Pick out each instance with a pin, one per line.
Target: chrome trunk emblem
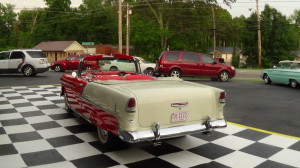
(179, 105)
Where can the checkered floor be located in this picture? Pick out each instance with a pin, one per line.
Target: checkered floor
(35, 131)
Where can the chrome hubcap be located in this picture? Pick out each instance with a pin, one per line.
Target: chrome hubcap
(224, 76)
(175, 74)
(28, 71)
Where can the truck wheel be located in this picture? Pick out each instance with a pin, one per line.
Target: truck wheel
(267, 80)
(28, 70)
(57, 68)
(149, 71)
(175, 73)
(294, 83)
(224, 76)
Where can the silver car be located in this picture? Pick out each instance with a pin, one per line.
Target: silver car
(26, 61)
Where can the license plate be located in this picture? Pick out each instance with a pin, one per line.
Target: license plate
(179, 116)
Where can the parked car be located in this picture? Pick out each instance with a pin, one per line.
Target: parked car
(70, 63)
(26, 61)
(134, 107)
(185, 63)
(146, 66)
(286, 72)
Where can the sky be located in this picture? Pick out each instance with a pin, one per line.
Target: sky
(241, 7)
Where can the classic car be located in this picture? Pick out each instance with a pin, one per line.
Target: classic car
(286, 72)
(133, 107)
(70, 63)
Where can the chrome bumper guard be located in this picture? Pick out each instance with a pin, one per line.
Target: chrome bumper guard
(157, 134)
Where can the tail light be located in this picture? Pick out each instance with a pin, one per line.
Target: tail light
(42, 61)
(130, 107)
(222, 97)
(161, 63)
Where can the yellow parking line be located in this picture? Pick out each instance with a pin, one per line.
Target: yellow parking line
(264, 131)
(4, 87)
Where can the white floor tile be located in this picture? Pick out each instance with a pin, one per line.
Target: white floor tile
(231, 129)
(185, 159)
(129, 155)
(4, 139)
(239, 159)
(13, 95)
(69, 122)
(18, 101)
(119, 166)
(287, 156)
(32, 146)
(279, 141)
(10, 116)
(54, 111)
(40, 103)
(44, 93)
(54, 132)
(56, 165)
(72, 152)
(54, 98)
(18, 129)
(6, 106)
(12, 161)
(38, 119)
(238, 144)
(32, 96)
(3, 99)
(27, 109)
(186, 142)
(88, 136)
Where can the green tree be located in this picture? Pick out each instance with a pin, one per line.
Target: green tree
(7, 21)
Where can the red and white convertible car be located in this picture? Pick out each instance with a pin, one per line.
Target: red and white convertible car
(133, 107)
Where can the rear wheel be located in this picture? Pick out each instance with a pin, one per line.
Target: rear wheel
(149, 71)
(267, 80)
(293, 83)
(108, 138)
(175, 73)
(113, 68)
(224, 76)
(28, 70)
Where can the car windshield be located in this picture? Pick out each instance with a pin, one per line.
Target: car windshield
(36, 54)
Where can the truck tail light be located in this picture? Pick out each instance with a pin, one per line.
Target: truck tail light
(130, 107)
(222, 97)
(42, 61)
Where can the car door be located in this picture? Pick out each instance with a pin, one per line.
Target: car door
(208, 66)
(280, 73)
(15, 61)
(4, 56)
(70, 63)
(190, 63)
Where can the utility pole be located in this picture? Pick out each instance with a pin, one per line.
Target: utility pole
(258, 37)
(214, 32)
(120, 26)
(128, 12)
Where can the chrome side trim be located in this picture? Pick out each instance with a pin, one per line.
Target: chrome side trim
(151, 135)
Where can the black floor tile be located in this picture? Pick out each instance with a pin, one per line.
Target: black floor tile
(61, 116)
(216, 135)
(27, 136)
(252, 135)
(45, 125)
(7, 111)
(261, 150)
(2, 131)
(49, 95)
(272, 164)
(28, 93)
(64, 141)
(22, 105)
(7, 149)
(19, 121)
(97, 161)
(81, 128)
(160, 150)
(43, 157)
(212, 164)
(4, 102)
(32, 114)
(211, 151)
(15, 97)
(58, 101)
(151, 163)
(44, 107)
(296, 146)
(110, 148)
(36, 99)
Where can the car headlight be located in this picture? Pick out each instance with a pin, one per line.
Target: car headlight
(232, 67)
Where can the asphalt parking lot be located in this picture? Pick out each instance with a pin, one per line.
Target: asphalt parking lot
(35, 130)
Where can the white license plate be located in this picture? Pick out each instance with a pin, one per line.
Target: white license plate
(179, 116)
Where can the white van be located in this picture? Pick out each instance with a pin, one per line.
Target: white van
(26, 61)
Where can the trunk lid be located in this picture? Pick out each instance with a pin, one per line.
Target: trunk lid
(160, 101)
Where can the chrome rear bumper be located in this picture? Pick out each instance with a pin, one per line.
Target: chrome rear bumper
(157, 134)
